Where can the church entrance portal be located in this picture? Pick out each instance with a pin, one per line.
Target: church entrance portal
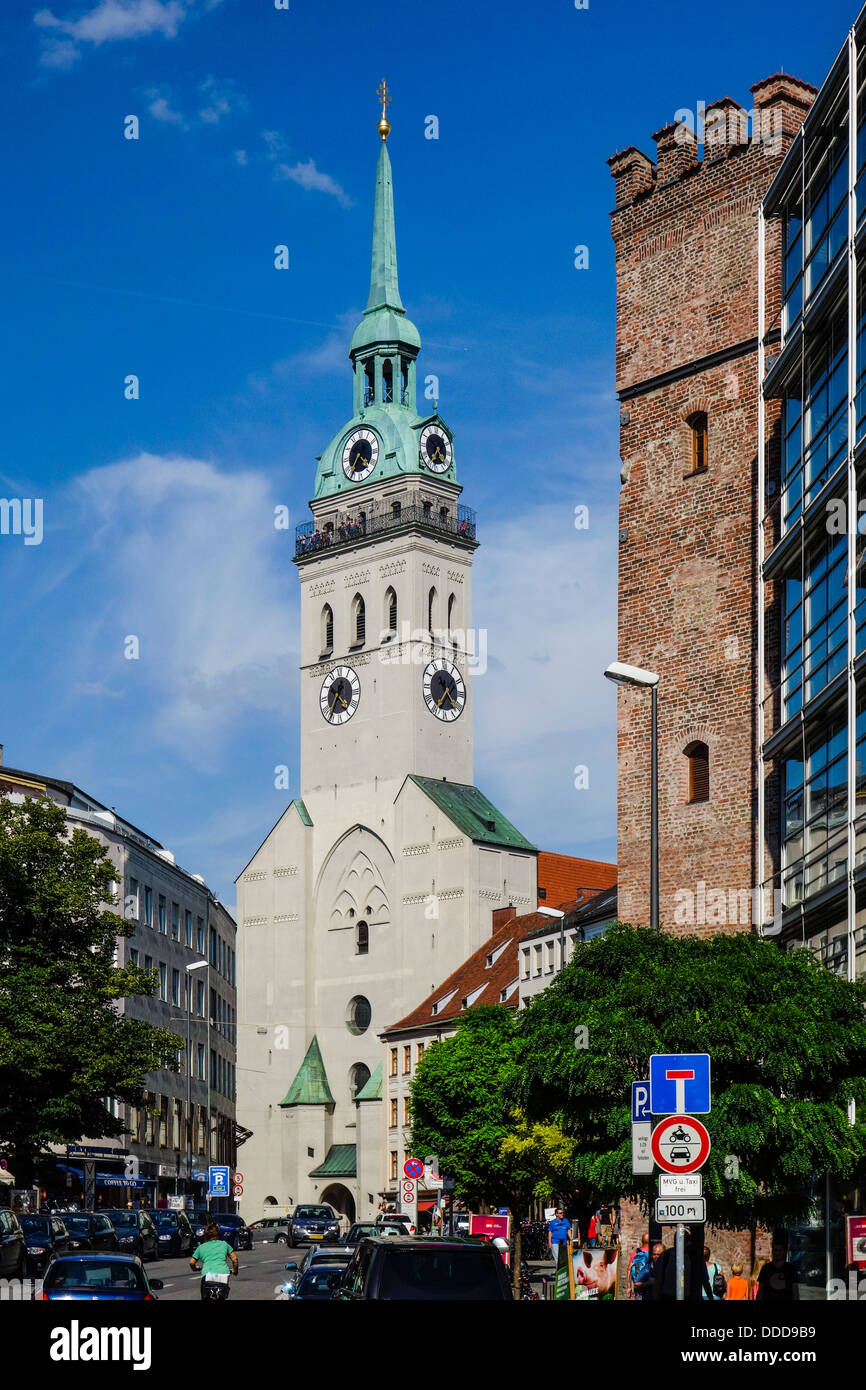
(341, 1199)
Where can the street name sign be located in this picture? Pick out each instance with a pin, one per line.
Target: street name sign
(680, 1144)
(690, 1211)
(680, 1082)
(641, 1129)
(680, 1185)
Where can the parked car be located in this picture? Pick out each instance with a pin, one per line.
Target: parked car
(13, 1247)
(46, 1236)
(275, 1228)
(136, 1233)
(322, 1280)
(174, 1233)
(313, 1223)
(232, 1228)
(359, 1230)
(428, 1268)
(90, 1230)
(110, 1277)
(332, 1257)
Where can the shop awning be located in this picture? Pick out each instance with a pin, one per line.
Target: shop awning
(425, 1206)
(108, 1179)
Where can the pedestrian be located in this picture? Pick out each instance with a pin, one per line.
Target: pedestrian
(558, 1232)
(754, 1277)
(640, 1269)
(738, 1287)
(592, 1233)
(715, 1278)
(605, 1223)
(777, 1281)
(695, 1278)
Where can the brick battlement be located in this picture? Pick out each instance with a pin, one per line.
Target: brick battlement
(723, 127)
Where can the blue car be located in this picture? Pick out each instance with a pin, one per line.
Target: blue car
(111, 1278)
(232, 1228)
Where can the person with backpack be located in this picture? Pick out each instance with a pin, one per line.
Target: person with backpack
(715, 1280)
(641, 1271)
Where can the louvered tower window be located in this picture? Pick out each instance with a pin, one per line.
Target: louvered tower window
(698, 755)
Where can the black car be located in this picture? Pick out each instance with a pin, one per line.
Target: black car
(309, 1224)
(232, 1228)
(174, 1233)
(407, 1268)
(90, 1230)
(13, 1247)
(46, 1236)
(136, 1233)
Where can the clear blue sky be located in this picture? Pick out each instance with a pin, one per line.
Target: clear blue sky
(155, 257)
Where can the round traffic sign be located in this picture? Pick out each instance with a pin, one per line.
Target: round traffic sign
(237, 1190)
(239, 1177)
(413, 1168)
(680, 1144)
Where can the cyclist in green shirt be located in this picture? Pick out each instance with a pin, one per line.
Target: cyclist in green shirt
(214, 1255)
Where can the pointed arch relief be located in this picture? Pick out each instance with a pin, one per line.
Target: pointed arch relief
(356, 882)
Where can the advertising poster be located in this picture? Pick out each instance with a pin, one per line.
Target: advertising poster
(596, 1274)
(855, 1239)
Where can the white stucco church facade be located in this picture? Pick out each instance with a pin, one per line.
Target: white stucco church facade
(380, 877)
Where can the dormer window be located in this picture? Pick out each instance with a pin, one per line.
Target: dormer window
(469, 1000)
(495, 954)
(441, 1003)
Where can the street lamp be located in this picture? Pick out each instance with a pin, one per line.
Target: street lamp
(621, 674)
(196, 965)
(556, 912)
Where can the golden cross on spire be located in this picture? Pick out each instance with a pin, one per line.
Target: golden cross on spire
(384, 96)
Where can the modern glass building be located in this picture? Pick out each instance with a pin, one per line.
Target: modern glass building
(811, 537)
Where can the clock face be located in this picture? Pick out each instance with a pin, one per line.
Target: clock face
(360, 452)
(444, 690)
(340, 694)
(435, 448)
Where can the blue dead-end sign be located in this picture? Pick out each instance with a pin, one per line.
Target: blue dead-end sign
(680, 1083)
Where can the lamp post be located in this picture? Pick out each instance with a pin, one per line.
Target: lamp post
(621, 674)
(196, 965)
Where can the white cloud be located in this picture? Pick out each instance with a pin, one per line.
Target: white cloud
(546, 594)
(241, 158)
(186, 558)
(109, 21)
(221, 98)
(61, 54)
(161, 109)
(308, 176)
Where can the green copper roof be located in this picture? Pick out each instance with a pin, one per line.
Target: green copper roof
(384, 318)
(302, 811)
(372, 1089)
(310, 1086)
(340, 1162)
(472, 813)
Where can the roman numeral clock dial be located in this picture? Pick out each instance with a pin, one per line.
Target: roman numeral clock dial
(435, 449)
(444, 690)
(360, 454)
(340, 694)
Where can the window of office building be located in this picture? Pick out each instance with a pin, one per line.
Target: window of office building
(392, 1166)
(394, 1061)
(130, 907)
(148, 906)
(175, 921)
(815, 419)
(393, 1114)
(815, 811)
(187, 928)
(163, 980)
(175, 986)
(199, 935)
(161, 910)
(133, 956)
(407, 1058)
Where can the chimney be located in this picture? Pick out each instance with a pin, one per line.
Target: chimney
(726, 125)
(781, 103)
(676, 151)
(502, 915)
(633, 173)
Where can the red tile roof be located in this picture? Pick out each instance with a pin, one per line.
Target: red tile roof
(562, 876)
(475, 973)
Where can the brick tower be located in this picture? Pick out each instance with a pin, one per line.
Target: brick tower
(686, 236)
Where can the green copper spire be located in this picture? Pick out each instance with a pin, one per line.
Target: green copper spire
(384, 290)
(310, 1086)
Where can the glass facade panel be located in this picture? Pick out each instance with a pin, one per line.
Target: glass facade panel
(815, 427)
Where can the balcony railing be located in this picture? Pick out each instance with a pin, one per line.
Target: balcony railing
(310, 537)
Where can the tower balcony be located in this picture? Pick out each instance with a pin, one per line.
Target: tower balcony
(356, 528)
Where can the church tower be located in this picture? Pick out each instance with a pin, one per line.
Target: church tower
(380, 877)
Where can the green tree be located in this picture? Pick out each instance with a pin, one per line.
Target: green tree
(460, 1111)
(787, 1040)
(64, 1046)
(540, 1157)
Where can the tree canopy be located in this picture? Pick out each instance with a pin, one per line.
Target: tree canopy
(64, 1045)
(787, 1041)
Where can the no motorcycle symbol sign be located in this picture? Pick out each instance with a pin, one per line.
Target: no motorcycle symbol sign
(680, 1144)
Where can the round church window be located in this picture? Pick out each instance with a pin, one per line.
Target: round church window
(358, 1015)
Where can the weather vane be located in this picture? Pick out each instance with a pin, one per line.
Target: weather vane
(384, 96)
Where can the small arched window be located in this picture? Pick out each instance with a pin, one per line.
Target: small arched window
(396, 510)
(359, 1075)
(327, 628)
(697, 424)
(431, 599)
(359, 620)
(698, 755)
(387, 381)
(390, 610)
(362, 939)
(452, 603)
(369, 382)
